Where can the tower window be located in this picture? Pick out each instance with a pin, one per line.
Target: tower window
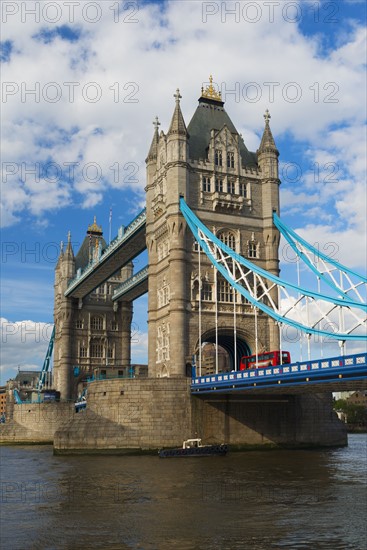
(231, 187)
(218, 185)
(224, 292)
(79, 323)
(252, 250)
(228, 238)
(206, 184)
(243, 189)
(82, 351)
(206, 292)
(114, 325)
(230, 159)
(218, 157)
(96, 349)
(97, 323)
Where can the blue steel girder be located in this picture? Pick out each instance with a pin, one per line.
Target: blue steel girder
(47, 361)
(258, 287)
(315, 375)
(119, 253)
(344, 281)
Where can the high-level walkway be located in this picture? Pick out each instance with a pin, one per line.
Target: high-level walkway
(122, 250)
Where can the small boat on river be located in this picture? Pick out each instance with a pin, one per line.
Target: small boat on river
(193, 447)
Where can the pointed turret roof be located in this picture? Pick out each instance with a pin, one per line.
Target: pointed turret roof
(94, 236)
(267, 141)
(153, 151)
(178, 125)
(211, 115)
(69, 253)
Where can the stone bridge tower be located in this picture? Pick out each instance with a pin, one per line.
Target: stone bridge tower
(93, 334)
(234, 192)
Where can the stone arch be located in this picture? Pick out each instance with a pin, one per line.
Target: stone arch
(226, 342)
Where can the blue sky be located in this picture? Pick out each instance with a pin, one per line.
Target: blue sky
(80, 92)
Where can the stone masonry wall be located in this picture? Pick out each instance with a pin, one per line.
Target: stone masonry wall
(129, 414)
(35, 422)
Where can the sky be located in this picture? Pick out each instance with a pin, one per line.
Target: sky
(82, 83)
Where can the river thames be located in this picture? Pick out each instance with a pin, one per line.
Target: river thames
(254, 500)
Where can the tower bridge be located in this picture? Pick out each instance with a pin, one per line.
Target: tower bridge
(211, 229)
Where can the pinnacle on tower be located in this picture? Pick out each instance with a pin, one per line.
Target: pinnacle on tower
(267, 141)
(69, 248)
(153, 151)
(178, 125)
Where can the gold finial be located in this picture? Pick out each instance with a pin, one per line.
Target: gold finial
(267, 116)
(177, 96)
(94, 228)
(211, 92)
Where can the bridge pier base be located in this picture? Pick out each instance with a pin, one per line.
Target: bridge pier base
(146, 414)
(265, 420)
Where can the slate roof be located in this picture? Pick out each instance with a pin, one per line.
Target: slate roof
(82, 257)
(211, 115)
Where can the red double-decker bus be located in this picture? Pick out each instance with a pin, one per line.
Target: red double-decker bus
(266, 359)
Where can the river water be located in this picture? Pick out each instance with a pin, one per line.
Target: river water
(254, 500)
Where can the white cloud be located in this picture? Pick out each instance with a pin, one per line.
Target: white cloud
(165, 48)
(24, 345)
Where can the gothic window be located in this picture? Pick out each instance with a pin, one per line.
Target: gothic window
(114, 325)
(218, 157)
(252, 249)
(228, 238)
(230, 159)
(231, 187)
(96, 349)
(97, 323)
(82, 351)
(163, 351)
(79, 323)
(163, 294)
(224, 291)
(110, 353)
(243, 189)
(206, 292)
(206, 184)
(218, 185)
(163, 250)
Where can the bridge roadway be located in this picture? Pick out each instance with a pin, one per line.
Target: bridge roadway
(120, 252)
(132, 288)
(346, 373)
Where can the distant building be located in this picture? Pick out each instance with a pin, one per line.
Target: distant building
(27, 379)
(358, 398)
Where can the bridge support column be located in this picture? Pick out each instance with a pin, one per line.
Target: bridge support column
(126, 315)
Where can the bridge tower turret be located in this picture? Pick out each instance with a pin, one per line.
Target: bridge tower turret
(167, 180)
(267, 155)
(63, 314)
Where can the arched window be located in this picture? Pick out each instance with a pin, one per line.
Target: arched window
(230, 159)
(218, 157)
(227, 238)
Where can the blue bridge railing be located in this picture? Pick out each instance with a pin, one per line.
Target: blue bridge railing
(300, 373)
